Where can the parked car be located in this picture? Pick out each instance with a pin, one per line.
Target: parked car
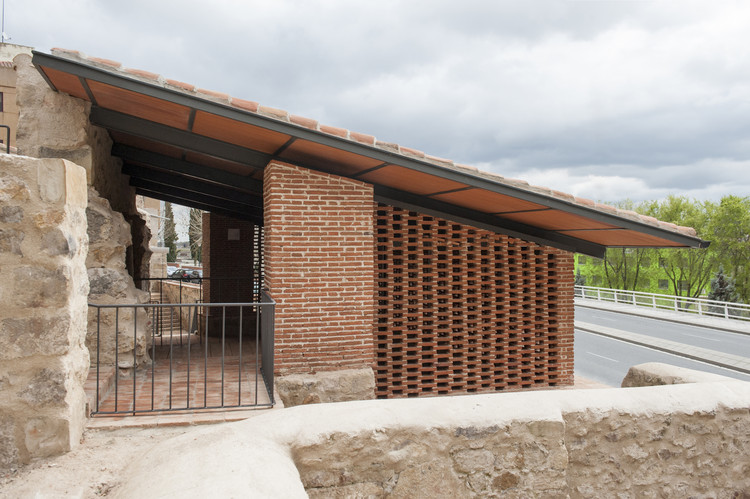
(180, 274)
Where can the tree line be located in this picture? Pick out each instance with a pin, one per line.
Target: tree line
(720, 271)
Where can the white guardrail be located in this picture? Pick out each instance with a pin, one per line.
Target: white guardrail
(700, 306)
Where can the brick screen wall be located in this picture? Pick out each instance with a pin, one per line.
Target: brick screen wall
(461, 310)
(318, 268)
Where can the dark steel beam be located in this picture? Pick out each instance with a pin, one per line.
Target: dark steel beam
(188, 184)
(480, 220)
(200, 198)
(190, 203)
(125, 123)
(239, 182)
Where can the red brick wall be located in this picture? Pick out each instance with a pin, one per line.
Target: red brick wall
(461, 310)
(318, 268)
(229, 263)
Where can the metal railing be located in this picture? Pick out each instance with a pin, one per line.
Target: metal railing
(224, 370)
(231, 289)
(700, 306)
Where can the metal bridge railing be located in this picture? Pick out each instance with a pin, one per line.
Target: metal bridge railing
(700, 306)
(231, 367)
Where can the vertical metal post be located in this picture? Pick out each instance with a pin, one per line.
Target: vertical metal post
(117, 354)
(205, 369)
(257, 347)
(171, 355)
(135, 351)
(223, 341)
(98, 342)
(239, 383)
(153, 357)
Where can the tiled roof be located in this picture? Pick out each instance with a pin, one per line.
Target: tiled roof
(301, 121)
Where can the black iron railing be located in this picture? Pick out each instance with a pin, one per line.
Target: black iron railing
(223, 360)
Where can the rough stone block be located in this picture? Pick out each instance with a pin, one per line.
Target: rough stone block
(38, 287)
(656, 373)
(47, 436)
(328, 386)
(34, 335)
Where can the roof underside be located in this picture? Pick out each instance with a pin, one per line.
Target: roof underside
(191, 150)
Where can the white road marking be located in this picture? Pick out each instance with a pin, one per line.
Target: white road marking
(602, 356)
(702, 337)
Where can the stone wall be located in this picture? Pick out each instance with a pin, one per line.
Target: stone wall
(121, 336)
(56, 125)
(43, 359)
(687, 440)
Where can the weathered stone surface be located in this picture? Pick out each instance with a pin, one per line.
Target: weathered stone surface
(10, 241)
(655, 373)
(11, 214)
(327, 386)
(46, 388)
(43, 361)
(431, 479)
(120, 338)
(654, 442)
(12, 188)
(9, 455)
(55, 243)
(34, 335)
(40, 287)
(356, 491)
(47, 436)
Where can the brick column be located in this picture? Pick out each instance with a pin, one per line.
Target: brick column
(319, 269)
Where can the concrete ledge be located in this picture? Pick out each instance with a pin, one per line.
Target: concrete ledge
(675, 440)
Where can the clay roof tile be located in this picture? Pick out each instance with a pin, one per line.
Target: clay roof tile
(180, 85)
(333, 130)
(305, 122)
(247, 105)
(273, 112)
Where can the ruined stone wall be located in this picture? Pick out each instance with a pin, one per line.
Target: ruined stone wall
(665, 441)
(687, 440)
(43, 289)
(120, 336)
(56, 125)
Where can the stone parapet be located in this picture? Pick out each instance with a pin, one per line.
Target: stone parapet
(686, 440)
(43, 359)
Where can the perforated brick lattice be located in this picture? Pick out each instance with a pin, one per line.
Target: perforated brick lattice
(465, 310)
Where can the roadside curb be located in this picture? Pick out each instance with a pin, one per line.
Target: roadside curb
(665, 315)
(720, 359)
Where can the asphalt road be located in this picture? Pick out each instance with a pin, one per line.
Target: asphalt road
(607, 360)
(721, 341)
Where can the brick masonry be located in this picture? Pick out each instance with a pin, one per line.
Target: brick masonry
(318, 267)
(465, 310)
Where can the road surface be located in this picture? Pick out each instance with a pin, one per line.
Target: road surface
(607, 360)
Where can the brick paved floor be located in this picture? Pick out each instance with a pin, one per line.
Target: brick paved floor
(190, 376)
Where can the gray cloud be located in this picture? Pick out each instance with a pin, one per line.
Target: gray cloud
(640, 98)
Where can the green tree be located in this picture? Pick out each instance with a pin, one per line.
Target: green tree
(195, 234)
(170, 233)
(729, 232)
(625, 268)
(722, 287)
(688, 270)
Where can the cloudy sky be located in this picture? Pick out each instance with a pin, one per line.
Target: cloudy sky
(606, 99)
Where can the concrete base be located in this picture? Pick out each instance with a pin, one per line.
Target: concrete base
(328, 386)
